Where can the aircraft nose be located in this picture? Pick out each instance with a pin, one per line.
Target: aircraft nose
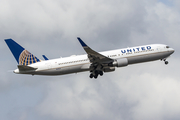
(171, 50)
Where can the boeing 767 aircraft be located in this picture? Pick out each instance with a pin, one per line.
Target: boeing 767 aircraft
(95, 62)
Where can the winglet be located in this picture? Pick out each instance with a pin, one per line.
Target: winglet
(82, 43)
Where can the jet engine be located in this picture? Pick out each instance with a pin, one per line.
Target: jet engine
(120, 62)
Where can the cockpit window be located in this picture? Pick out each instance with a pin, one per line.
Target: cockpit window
(167, 46)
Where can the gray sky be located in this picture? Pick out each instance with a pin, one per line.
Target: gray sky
(146, 91)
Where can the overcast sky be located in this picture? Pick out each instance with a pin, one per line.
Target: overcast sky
(146, 91)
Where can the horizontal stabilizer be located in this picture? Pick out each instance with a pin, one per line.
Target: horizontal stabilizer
(25, 68)
(45, 57)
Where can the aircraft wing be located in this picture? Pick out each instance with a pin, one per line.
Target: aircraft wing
(94, 56)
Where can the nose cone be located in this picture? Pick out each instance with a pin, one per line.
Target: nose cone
(171, 50)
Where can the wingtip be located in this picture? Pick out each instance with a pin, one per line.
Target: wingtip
(82, 43)
(79, 38)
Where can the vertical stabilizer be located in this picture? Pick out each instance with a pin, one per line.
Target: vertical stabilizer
(22, 56)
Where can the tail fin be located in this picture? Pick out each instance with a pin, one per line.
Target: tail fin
(22, 56)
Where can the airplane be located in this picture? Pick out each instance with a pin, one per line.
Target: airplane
(97, 63)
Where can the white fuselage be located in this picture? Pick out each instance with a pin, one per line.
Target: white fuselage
(80, 63)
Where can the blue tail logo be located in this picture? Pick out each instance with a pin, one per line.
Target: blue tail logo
(22, 56)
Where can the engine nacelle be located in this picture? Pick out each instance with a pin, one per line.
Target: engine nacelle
(120, 62)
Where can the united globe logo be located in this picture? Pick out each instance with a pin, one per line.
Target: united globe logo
(26, 58)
